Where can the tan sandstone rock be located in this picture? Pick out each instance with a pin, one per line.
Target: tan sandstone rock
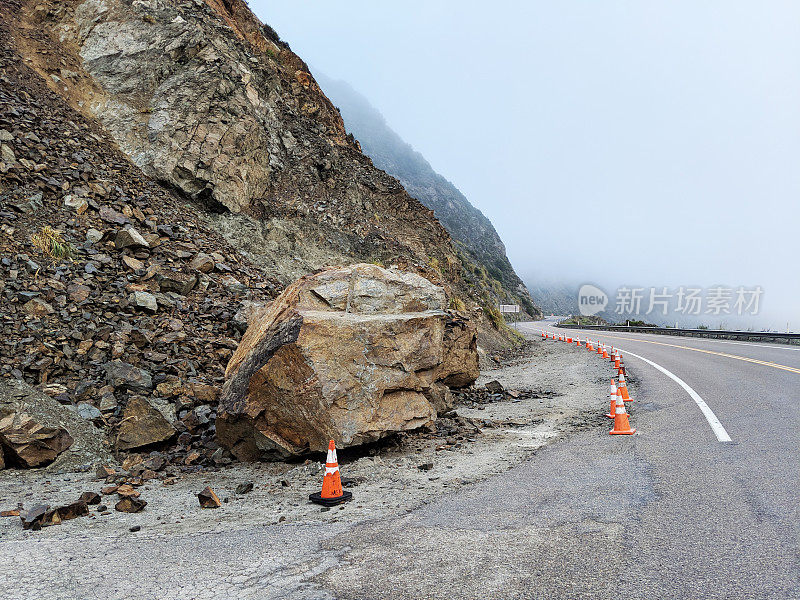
(350, 354)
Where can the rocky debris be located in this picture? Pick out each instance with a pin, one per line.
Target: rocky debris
(493, 391)
(127, 238)
(494, 387)
(64, 513)
(76, 203)
(350, 354)
(28, 443)
(208, 499)
(271, 135)
(126, 377)
(90, 498)
(144, 300)
(82, 317)
(104, 472)
(142, 425)
(202, 262)
(41, 515)
(9, 513)
(244, 488)
(33, 517)
(130, 505)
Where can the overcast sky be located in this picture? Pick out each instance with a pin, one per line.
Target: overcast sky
(670, 130)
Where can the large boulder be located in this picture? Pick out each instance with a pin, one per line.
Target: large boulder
(350, 354)
(35, 430)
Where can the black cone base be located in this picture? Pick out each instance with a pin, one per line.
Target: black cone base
(317, 498)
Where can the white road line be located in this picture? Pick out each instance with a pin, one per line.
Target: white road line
(690, 338)
(712, 419)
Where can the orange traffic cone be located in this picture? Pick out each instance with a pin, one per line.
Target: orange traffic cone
(569, 340)
(589, 346)
(623, 387)
(605, 354)
(612, 396)
(616, 361)
(621, 424)
(578, 342)
(599, 349)
(332, 492)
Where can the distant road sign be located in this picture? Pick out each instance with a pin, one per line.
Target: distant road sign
(509, 308)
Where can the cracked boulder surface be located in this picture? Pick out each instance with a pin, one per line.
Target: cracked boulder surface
(350, 354)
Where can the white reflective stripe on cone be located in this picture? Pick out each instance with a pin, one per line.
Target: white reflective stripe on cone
(329, 470)
(621, 409)
(331, 456)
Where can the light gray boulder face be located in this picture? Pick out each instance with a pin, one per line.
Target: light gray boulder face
(28, 406)
(182, 97)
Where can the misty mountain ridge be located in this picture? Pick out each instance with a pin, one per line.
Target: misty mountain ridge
(478, 244)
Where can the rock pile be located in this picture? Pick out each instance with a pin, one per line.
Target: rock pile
(127, 321)
(350, 354)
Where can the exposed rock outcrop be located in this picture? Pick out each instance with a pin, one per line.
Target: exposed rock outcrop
(349, 354)
(202, 96)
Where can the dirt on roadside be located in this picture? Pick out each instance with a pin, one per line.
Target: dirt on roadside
(549, 389)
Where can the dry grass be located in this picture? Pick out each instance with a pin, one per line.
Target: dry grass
(51, 243)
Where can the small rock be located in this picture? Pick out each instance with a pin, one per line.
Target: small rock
(88, 412)
(93, 236)
(124, 376)
(37, 307)
(144, 300)
(90, 498)
(130, 505)
(76, 203)
(133, 263)
(494, 387)
(142, 425)
(244, 488)
(32, 518)
(78, 292)
(126, 490)
(202, 262)
(208, 499)
(425, 466)
(104, 471)
(128, 238)
(135, 528)
(175, 281)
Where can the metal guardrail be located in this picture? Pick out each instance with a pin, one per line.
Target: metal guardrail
(762, 336)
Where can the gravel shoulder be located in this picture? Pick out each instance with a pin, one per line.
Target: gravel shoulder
(562, 389)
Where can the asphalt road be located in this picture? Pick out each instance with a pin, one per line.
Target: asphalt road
(668, 513)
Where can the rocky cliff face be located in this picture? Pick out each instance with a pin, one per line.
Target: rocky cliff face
(163, 166)
(480, 247)
(203, 97)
